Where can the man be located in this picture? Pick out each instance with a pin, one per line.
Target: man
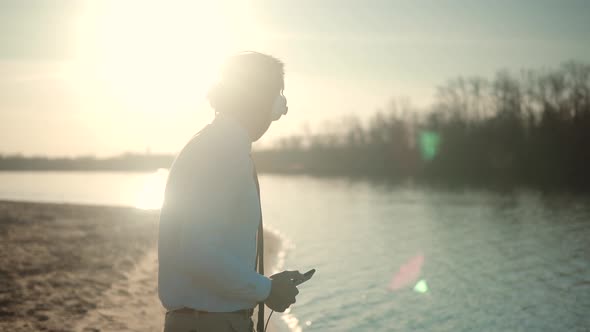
(211, 214)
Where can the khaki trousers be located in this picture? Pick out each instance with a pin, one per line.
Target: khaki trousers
(207, 322)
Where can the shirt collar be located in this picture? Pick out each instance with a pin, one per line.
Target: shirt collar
(233, 130)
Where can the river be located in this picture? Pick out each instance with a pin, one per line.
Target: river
(395, 258)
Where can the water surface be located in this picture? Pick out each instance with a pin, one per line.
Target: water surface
(492, 261)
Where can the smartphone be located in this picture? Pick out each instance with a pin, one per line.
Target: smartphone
(306, 276)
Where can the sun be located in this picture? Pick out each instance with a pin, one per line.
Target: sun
(154, 56)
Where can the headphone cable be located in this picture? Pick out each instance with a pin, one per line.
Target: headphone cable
(268, 320)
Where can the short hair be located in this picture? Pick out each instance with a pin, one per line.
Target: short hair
(246, 75)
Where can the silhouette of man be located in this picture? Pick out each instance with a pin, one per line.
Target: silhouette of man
(211, 214)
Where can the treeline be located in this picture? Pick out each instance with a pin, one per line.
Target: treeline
(530, 129)
(125, 162)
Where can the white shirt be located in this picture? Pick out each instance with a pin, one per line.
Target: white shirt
(208, 224)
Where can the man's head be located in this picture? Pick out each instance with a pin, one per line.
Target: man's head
(251, 85)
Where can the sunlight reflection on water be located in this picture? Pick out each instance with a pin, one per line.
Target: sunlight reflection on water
(514, 261)
(151, 197)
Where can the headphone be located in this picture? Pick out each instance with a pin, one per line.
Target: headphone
(279, 107)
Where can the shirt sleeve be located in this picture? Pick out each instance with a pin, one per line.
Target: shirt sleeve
(210, 263)
(203, 252)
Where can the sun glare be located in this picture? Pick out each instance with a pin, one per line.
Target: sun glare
(151, 196)
(157, 56)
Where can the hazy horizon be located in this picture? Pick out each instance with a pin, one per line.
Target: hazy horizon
(90, 78)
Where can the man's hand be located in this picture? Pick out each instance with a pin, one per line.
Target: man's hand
(283, 290)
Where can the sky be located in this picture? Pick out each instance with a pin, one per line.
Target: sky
(101, 78)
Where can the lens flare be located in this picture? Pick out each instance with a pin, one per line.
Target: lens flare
(429, 142)
(421, 286)
(408, 273)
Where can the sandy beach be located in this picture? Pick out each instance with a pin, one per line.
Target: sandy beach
(83, 268)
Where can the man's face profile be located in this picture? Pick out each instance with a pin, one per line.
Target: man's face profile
(264, 115)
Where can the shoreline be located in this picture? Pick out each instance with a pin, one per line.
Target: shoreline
(70, 267)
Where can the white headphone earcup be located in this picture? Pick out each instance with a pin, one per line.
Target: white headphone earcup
(279, 107)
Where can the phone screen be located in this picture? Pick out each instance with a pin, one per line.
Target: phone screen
(306, 276)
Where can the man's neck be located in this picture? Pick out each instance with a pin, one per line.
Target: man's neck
(238, 126)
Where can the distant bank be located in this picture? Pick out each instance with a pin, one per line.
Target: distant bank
(526, 130)
(125, 162)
